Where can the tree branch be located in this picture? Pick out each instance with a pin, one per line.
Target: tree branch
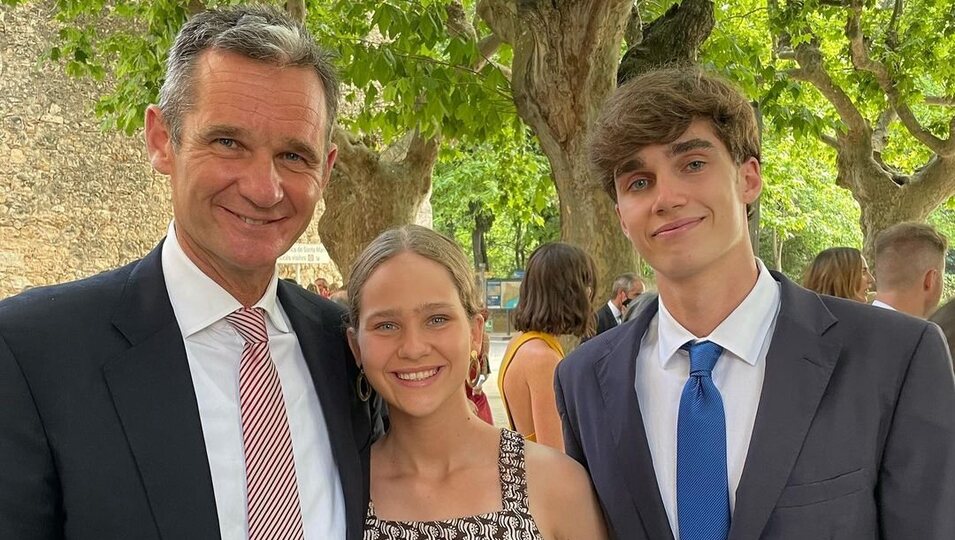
(830, 140)
(811, 70)
(861, 61)
(633, 35)
(501, 17)
(672, 38)
(880, 135)
(296, 9)
(940, 100)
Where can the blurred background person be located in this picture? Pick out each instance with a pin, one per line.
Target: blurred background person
(439, 472)
(945, 318)
(910, 268)
(840, 271)
(321, 287)
(626, 288)
(556, 297)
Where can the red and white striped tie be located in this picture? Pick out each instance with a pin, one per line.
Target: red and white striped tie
(274, 510)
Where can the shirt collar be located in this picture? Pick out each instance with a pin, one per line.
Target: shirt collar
(881, 304)
(613, 309)
(198, 301)
(742, 332)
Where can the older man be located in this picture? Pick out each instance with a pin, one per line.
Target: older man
(910, 268)
(626, 287)
(192, 394)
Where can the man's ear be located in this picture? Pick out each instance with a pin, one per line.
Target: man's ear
(751, 180)
(623, 226)
(353, 345)
(329, 163)
(929, 279)
(158, 141)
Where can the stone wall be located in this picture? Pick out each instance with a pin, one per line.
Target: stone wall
(74, 201)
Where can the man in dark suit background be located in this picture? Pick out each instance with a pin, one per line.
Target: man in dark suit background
(192, 394)
(626, 287)
(740, 405)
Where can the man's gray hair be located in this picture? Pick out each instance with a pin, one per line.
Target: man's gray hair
(257, 32)
(623, 282)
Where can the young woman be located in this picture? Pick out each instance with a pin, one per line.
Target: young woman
(440, 471)
(840, 271)
(557, 296)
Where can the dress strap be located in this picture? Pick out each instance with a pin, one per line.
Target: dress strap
(513, 474)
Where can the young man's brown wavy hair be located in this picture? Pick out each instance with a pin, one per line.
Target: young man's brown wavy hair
(658, 107)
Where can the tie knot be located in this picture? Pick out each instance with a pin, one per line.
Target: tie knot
(703, 356)
(250, 324)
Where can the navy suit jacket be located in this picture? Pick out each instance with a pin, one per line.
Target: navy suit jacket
(854, 436)
(100, 436)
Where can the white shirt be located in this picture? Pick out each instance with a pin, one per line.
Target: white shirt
(881, 304)
(663, 368)
(213, 349)
(616, 312)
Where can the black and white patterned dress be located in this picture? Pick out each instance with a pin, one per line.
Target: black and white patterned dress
(512, 522)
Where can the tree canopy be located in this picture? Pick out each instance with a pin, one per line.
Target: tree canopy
(495, 98)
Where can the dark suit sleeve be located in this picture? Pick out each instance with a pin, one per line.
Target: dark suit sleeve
(916, 485)
(571, 438)
(29, 492)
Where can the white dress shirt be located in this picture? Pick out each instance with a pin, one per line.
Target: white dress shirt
(883, 305)
(616, 312)
(213, 349)
(663, 368)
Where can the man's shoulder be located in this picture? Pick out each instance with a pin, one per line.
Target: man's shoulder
(596, 348)
(71, 300)
(332, 315)
(859, 328)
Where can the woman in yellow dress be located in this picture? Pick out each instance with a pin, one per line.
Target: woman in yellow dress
(556, 298)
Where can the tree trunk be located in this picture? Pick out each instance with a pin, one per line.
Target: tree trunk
(883, 201)
(369, 194)
(566, 58)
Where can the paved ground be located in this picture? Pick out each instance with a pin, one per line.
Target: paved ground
(498, 345)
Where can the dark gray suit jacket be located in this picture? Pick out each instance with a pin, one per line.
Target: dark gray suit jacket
(854, 436)
(100, 436)
(605, 320)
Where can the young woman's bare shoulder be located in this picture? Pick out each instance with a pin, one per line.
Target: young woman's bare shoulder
(551, 469)
(561, 497)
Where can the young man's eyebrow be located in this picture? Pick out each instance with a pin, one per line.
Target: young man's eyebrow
(687, 146)
(630, 165)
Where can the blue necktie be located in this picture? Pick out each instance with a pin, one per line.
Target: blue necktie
(702, 491)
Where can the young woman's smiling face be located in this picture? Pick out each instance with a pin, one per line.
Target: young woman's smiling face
(414, 338)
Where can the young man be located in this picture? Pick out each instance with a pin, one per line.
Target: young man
(740, 405)
(910, 265)
(192, 394)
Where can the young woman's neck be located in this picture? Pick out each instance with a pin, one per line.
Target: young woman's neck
(437, 443)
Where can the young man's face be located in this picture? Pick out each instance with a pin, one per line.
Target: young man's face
(683, 204)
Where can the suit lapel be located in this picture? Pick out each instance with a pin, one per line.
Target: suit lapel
(799, 364)
(323, 346)
(616, 371)
(152, 391)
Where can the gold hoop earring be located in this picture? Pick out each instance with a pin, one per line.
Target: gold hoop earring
(362, 387)
(475, 366)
